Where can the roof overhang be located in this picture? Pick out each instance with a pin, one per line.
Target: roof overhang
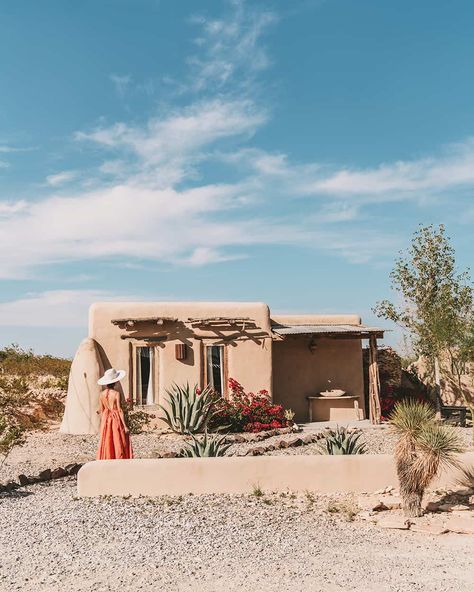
(333, 331)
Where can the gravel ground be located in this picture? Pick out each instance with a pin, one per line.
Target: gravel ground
(47, 450)
(52, 541)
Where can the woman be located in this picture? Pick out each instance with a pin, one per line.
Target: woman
(114, 434)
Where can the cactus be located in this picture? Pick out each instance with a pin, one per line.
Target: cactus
(205, 447)
(340, 441)
(189, 410)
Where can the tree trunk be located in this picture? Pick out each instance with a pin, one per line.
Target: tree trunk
(438, 393)
(411, 503)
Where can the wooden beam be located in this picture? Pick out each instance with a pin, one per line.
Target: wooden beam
(374, 382)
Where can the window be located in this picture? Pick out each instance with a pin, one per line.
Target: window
(145, 363)
(215, 368)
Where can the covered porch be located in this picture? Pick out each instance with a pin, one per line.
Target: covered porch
(310, 359)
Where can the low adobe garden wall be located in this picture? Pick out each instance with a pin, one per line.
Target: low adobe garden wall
(321, 473)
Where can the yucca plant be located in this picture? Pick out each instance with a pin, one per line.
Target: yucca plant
(205, 447)
(341, 441)
(189, 410)
(423, 448)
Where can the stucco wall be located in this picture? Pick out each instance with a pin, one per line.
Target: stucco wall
(297, 372)
(325, 474)
(248, 350)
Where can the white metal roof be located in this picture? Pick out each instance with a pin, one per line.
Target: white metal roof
(326, 329)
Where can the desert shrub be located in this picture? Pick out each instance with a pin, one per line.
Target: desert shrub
(205, 446)
(189, 410)
(248, 412)
(341, 441)
(20, 362)
(137, 420)
(423, 448)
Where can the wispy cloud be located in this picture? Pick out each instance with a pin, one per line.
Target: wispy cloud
(121, 83)
(188, 186)
(230, 49)
(61, 178)
(453, 168)
(55, 308)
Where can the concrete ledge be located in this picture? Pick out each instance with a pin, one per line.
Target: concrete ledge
(325, 474)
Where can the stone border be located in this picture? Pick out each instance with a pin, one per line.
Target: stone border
(46, 475)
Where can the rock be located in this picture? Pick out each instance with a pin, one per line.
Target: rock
(11, 485)
(391, 502)
(45, 475)
(428, 528)
(366, 515)
(170, 454)
(399, 523)
(240, 439)
(465, 491)
(370, 503)
(283, 444)
(445, 507)
(23, 480)
(258, 451)
(73, 468)
(269, 447)
(432, 506)
(460, 524)
(295, 442)
(460, 508)
(59, 473)
(471, 500)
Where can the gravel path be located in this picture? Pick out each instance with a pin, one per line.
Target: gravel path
(51, 541)
(46, 450)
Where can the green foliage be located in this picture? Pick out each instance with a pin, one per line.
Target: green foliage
(16, 361)
(436, 300)
(423, 448)
(190, 410)
(205, 446)
(341, 441)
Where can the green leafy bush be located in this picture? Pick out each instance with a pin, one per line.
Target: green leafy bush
(341, 441)
(137, 420)
(205, 446)
(20, 362)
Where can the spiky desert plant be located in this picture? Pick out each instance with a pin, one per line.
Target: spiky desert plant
(423, 448)
(189, 409)
(341, 441)
(205, 446)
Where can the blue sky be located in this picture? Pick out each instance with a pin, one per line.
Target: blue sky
(225, 150)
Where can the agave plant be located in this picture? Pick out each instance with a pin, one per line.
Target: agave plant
(205, 447)
(189, 410)
(341, 441)
(423, 448)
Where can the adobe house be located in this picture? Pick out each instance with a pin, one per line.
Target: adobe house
(293, 357)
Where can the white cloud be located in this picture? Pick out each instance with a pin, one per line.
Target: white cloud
(4, 164)
(11, 208)
(55, 308)
(230, 49)
(61, 178)
(453, 168)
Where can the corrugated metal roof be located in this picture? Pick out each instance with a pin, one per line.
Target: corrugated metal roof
(325, 329)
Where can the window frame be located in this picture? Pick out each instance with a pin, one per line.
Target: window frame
(133, 385)
(224, 366)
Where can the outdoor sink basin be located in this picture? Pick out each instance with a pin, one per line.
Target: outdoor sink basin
(332, 393)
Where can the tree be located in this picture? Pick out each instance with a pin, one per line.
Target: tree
(422, 449)
(436, 300)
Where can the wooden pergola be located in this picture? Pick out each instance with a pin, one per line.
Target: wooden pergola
(347, 332)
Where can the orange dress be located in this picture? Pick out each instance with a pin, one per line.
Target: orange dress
(114, 442)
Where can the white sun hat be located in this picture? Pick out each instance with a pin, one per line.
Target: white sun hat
(111, 375)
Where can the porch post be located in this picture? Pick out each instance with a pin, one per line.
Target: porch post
(374, 382)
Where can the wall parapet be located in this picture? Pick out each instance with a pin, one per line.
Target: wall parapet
(319, 473)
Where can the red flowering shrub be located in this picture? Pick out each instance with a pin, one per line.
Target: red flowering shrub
(247, 412)
(391, 395)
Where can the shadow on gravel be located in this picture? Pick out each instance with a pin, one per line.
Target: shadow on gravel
(15, 494)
